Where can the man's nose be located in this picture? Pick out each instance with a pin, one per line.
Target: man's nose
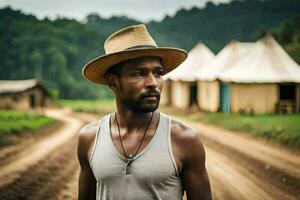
(151, 81)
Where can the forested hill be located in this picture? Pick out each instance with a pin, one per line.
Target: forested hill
(56, 50)
(216, 25)
(108, 26)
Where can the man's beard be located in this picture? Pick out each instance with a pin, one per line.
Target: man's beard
(142, 106)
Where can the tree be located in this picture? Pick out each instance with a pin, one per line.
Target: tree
(36, 60)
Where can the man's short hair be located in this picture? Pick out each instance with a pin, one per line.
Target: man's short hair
(116, 69)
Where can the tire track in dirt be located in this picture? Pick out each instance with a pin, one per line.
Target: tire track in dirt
(272, 180)
(45, 178)
(42, 170)
(281, 159)
(70, 191)
(236, 184)
(35, 153)
(13, 145)
(276, 182)
(49, 169)
(234, 173)
(238, 181)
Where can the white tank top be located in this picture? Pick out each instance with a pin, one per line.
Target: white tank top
(152, 175)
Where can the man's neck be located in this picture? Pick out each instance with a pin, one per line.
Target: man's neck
(130, 120)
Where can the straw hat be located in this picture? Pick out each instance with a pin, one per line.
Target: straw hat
(128, 43)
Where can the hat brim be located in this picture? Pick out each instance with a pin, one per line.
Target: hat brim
(95, 70)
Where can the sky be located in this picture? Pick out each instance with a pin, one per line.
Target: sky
(142, 10)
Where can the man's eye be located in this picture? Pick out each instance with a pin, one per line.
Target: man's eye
(137, 73)
(159, 73)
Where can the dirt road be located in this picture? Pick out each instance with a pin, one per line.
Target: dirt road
(247, 168)
(239, 167)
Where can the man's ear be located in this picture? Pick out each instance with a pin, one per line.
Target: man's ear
(111, 80)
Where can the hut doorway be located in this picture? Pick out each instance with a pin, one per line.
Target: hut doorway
(287, 98)
(193, 94)
(32, 101)
(224, 97)
(43, 100)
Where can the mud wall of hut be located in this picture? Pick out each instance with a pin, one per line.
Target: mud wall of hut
(180, 94)
(33, 98)
(16, 101)
(165, 98)
(208, 95)
(253, 98)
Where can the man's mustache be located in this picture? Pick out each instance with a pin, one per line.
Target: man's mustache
(152, 93)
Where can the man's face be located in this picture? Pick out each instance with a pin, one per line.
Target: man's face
(140, 84)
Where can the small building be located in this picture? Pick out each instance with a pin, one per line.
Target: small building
(209, 87)
(23, 94)
(165, 98)
(180, 87)
(264, 81)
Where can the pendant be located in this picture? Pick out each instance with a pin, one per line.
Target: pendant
(130, 156)
(128, 162)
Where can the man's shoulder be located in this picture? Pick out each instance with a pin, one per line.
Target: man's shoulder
(182, 130)
(187, 138)
(86, 138)
(88, 130)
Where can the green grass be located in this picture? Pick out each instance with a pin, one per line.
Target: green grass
(284, 129)
(91, 106)
(14, 122)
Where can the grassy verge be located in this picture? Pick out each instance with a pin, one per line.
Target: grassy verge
(90, 106)
(284, 129)
(14, 122)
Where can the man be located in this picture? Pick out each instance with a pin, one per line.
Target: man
(138, 152)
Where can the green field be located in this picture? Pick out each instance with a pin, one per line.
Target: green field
(91, 106)
(14, 122)
(284, 129)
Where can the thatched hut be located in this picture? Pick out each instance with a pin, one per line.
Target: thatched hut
(181, 85)
(23, 94)
(165, 98)
(264, 81)
(209, 87)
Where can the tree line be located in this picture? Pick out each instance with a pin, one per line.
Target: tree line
(54, 51)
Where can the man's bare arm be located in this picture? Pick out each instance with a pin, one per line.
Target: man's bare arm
(194, 175)
(87, 181)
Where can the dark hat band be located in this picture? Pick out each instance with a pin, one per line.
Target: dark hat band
(142, 47)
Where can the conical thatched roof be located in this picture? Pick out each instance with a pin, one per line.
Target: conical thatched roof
(267, 62)
(14, 86)
(199, 58)
(226, 58)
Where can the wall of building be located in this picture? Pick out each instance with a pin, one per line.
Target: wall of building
(165, 96)
(17, 101)
(253, 98)
(38, 95)
(22, 100)
(180, 94)
(208, 95)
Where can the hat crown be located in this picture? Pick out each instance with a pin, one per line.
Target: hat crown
(129, 38)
